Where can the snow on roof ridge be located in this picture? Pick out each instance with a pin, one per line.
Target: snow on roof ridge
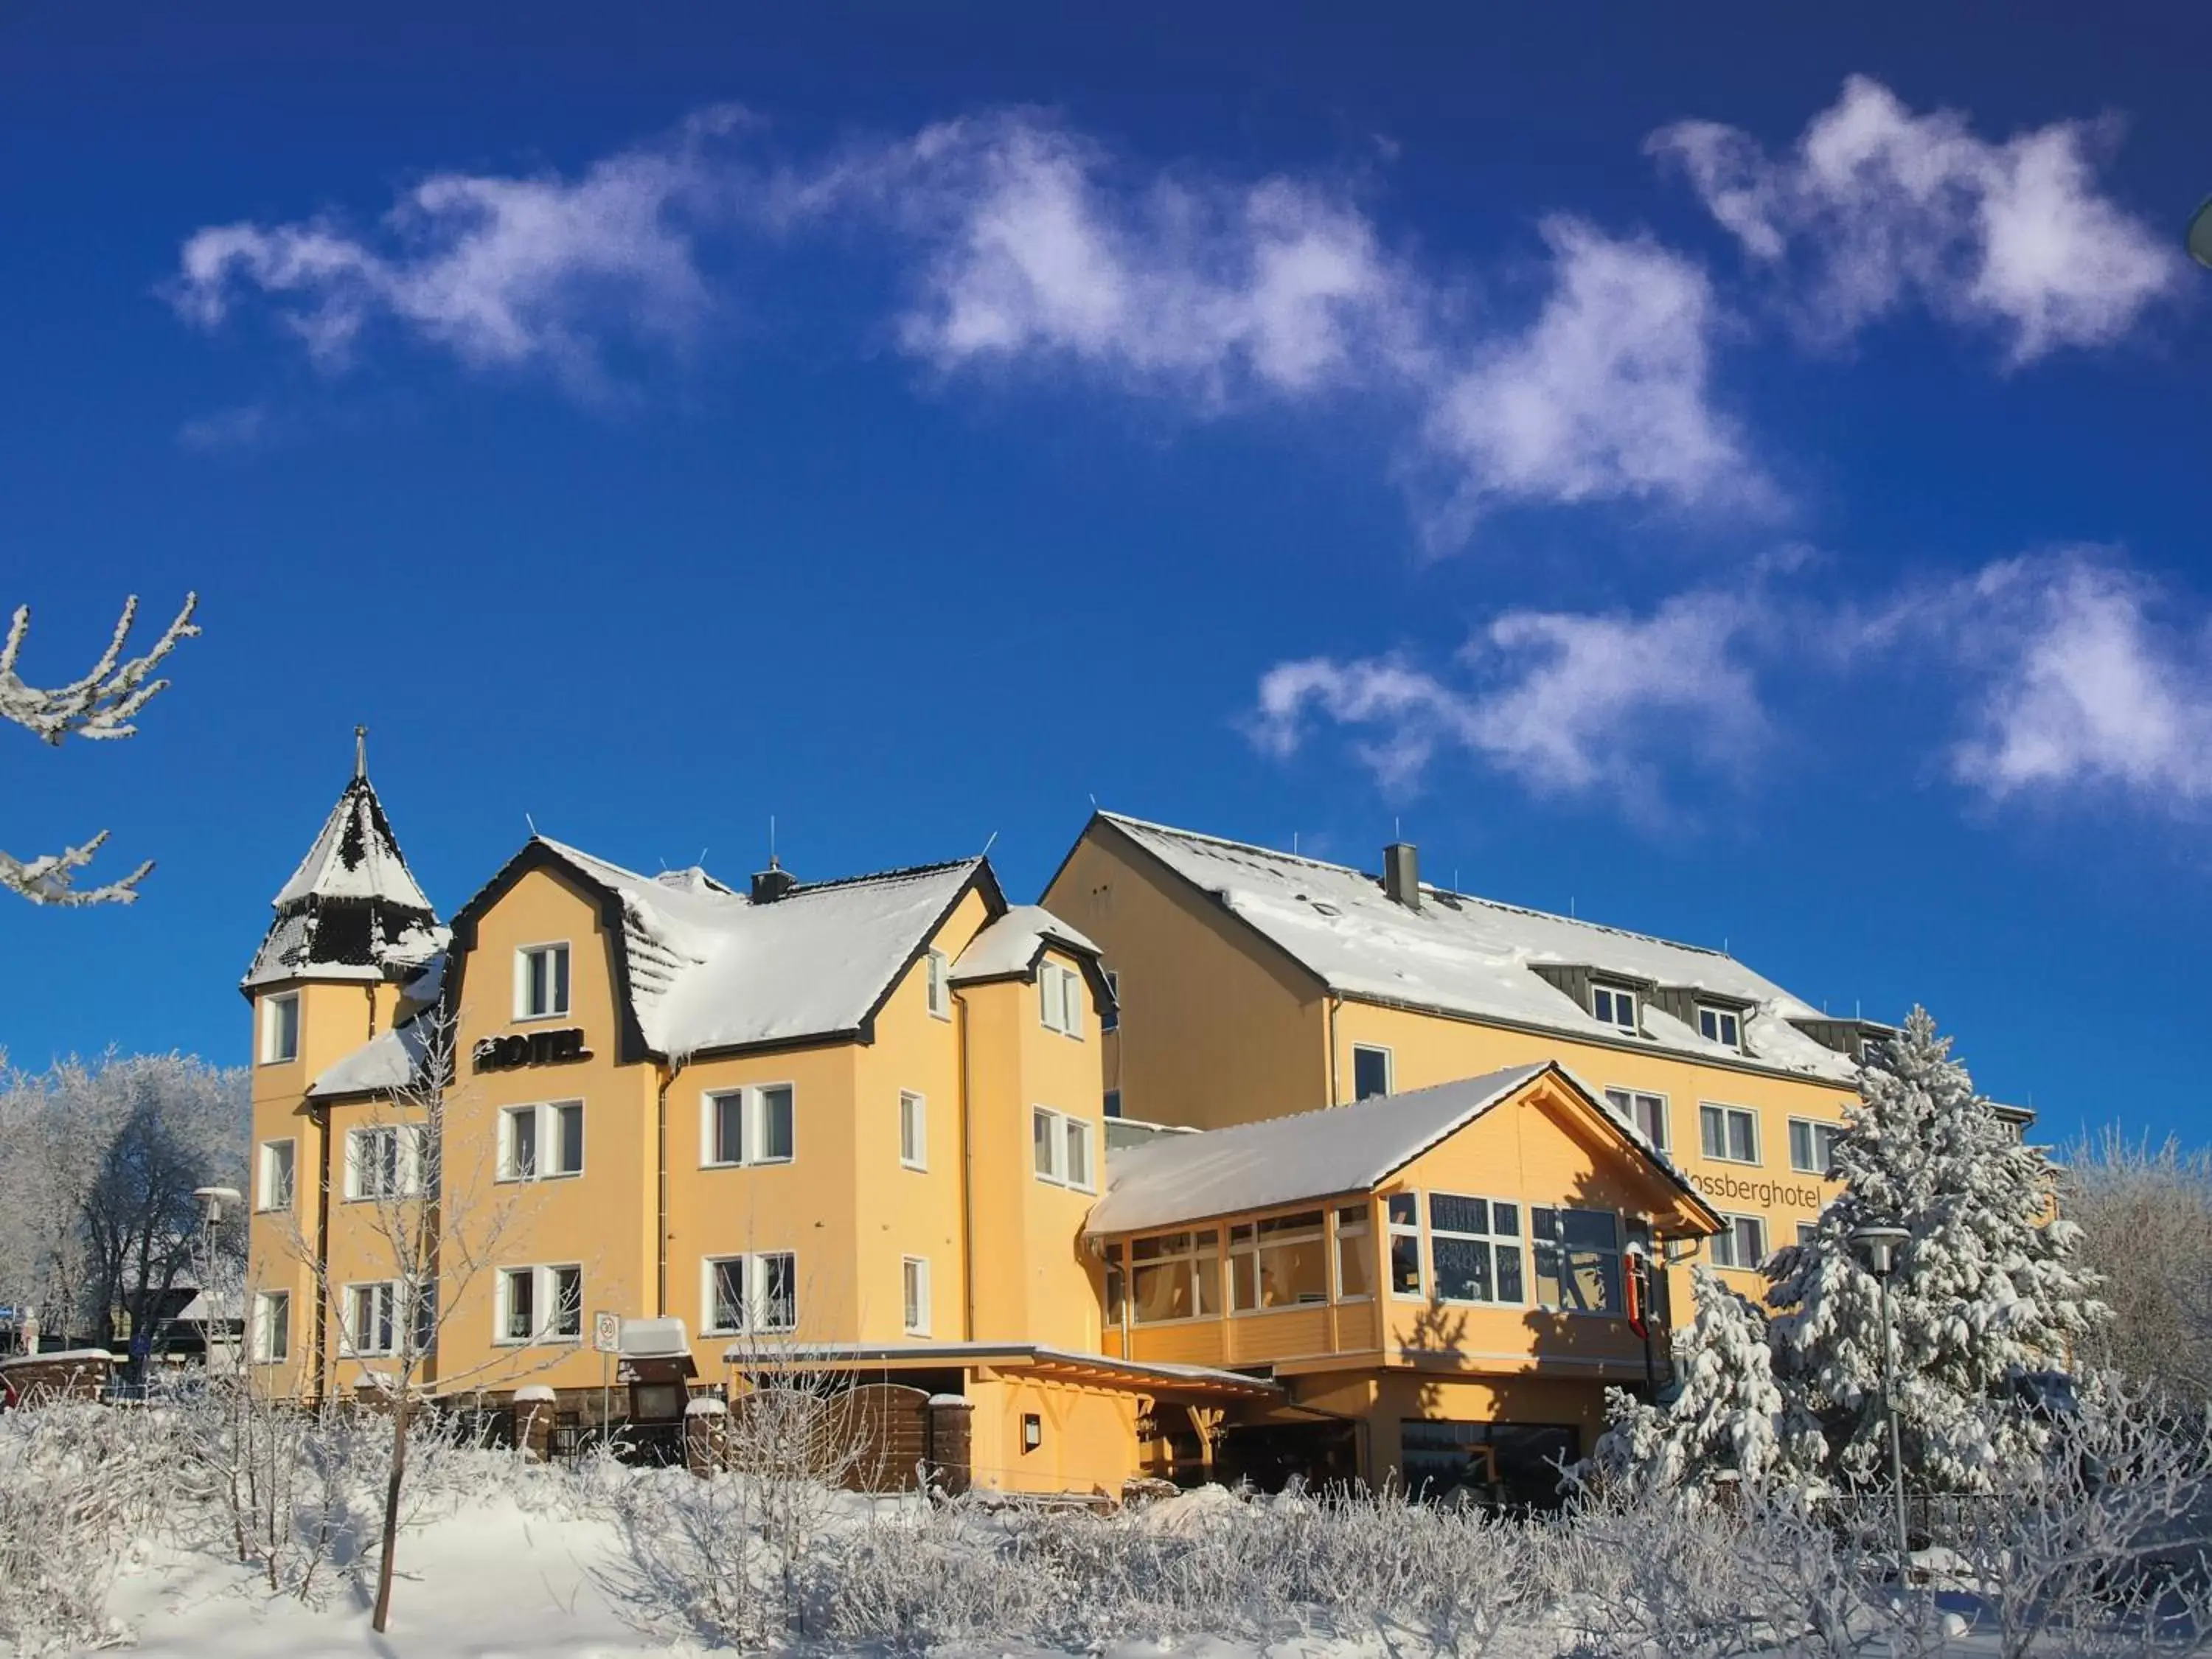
(902, 872)
(1278, 855)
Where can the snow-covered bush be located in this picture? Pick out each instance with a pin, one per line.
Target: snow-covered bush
(2145, 1213)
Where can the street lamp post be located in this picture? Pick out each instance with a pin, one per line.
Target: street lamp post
(212, 1199)
(1877, 1248)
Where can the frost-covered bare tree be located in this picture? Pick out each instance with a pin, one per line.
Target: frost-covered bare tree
(101, 705)
(432, 1221)
(98, 1162)
(2146, 1217)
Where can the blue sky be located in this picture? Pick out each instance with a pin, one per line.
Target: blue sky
(1744, 483)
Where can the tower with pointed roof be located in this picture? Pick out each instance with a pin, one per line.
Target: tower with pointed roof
(353, 945)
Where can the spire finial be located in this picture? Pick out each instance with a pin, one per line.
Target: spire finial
(361, 751)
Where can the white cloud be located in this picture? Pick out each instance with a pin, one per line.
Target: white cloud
(1035, 243)
(1565, 703)
(247, 425)
(1604, 395)
(1877, 205)
(507, 272)
(2081, 685)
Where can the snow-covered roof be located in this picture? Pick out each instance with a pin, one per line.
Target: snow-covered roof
(1012, 944)
(352, 909)
(356, 856)
(1463, 955)
(1173, 1179)
(1284, 1160)
(710, 968)
(387, 1061)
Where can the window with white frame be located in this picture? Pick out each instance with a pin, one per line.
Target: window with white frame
(1474, 1249)
(272, 1327)
(277, 1185)
(1061, 995)
(540, 1305)
(913, 1287)
(752, 1293)
(543, 1142)
(1648, 1112)
(1721, 1025)
(1729, 1133)
(1355, 1254)
(1577, 1261)
(1615, 1008)
(937, 973)
(541, 982)
(372, 1318)
(1281, 1261)
(1741, 1243)
(1404, 1211)
(1370, 1071)
(1174, 1276)
(1813, 1145)
(752, 1125)
(384, 1161)
(1059, 1148)
(913, 1130)
(1807, 1232)
(280, 1028)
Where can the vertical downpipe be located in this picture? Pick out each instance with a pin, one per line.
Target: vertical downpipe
(1328, 1019)
(967, 1173)
(660, 1193)
(320, 1117)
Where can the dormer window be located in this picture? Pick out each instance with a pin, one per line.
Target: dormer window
(1721, 1025)
(1615, 1008)
(541, 982)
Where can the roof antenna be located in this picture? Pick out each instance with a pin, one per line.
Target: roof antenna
(1094, 800)
(989, 845)
(1570, 908)
(531, 822)
(772, 863)
(1294, 843)
(360, 752)
(702, 858)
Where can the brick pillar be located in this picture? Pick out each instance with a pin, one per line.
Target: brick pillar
(706, 1436)
(533, 1421)
(951, 1418)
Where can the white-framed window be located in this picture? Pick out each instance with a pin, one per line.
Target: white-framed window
(371, 1318)
(539, 1305)
(1060, 998)
(1741, 1243)
(1807, 1232)
(1721, 1025)
(913, 1130)
(1729, 1133)
(1060, 1147)
(385, 1161)
(752, 1125)
(272, 1327)
(937, 971)
(914, 1294)
(1174, 1276)
(1474, 1249)
(1615, 1008)
(544, 1142)
(1403, 1211)
(1647, 1111)
(1109, 1017)
(280, 1028)
(1371, 1070)
(278, 1183)
(1813, 1145)
(541, 982)
(755, 1292)
(1279, 1262)
(1577, 1261)
(1355, 1254)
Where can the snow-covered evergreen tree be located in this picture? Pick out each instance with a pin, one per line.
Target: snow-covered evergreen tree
(101, 705)
(1730, 1419)
(1985, 1285)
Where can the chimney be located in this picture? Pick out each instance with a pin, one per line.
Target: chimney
(772, 883)
(1402, 873)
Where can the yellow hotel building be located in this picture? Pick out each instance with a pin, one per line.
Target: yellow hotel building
(1220, 1160)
